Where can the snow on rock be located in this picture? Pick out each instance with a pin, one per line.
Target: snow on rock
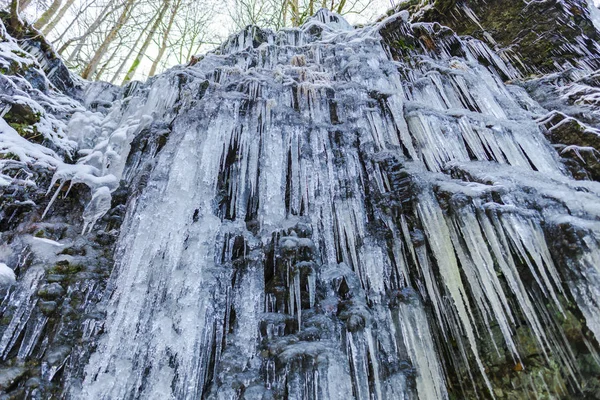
(7, 275)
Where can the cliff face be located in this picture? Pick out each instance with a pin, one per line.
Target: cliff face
(60, 273)
(554, 46)
(408, 210)
(537, 36)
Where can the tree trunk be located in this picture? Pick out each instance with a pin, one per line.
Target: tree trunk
(105, 65)
(93, 64)
(49, 13)
(15, 20)
(24, 5)
(68, 27)
(146, 44)
(91, 29)
(48, 28)
(295, 8)
(67, 44)
(116, 75)
(165, 37)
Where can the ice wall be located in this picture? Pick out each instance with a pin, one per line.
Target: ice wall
(336, 213)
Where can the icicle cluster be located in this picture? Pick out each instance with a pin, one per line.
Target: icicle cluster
(338, 213)
(328, 219)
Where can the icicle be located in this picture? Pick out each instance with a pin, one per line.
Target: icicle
(438, 235)
(96, 208)
(297, 298)
(53, 199)
(417, 338)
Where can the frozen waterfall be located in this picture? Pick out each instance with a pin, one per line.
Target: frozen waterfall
(330, 213)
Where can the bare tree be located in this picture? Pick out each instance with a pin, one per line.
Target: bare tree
(190, 31)
(165, 37)
(68, 29)
(106, 39)
(264, 13)
(112, 34)
(105, 66)
(15, 19)
(23, 4)
(142, 52)
(49, 13)
(278, 13)
(106, 11)
(61, 13)
(130, 53)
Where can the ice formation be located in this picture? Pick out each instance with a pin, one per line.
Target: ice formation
(321, 212)
(7, 275)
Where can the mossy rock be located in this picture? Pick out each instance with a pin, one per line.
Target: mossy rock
(57, 73)
(21, 114)
(47, 307)
(534, 32)
(9, 156)
(65, 268)
(28, 132)
(583, 160)
(51, 291)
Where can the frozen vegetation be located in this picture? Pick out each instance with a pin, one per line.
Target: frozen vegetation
(322, 212)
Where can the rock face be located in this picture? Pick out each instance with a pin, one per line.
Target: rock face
(316, 213)
(555, 44)
(539, 37)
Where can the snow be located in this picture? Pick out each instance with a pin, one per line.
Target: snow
(7, 275)
(31, 153)
(593, 6)
(48, 241)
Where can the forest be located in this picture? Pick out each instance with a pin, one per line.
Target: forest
(117, 41)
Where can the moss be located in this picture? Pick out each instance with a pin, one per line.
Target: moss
(28, 132)
(19, 53)
(444, 5)
(5, 320)
(9, 156)
(402, 44)
(533, 32)
(22, 114)
(47, 307)
(582, 164)
(17, 68)
(65, 268)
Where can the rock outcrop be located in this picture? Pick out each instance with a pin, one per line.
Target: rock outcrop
(399, 211)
